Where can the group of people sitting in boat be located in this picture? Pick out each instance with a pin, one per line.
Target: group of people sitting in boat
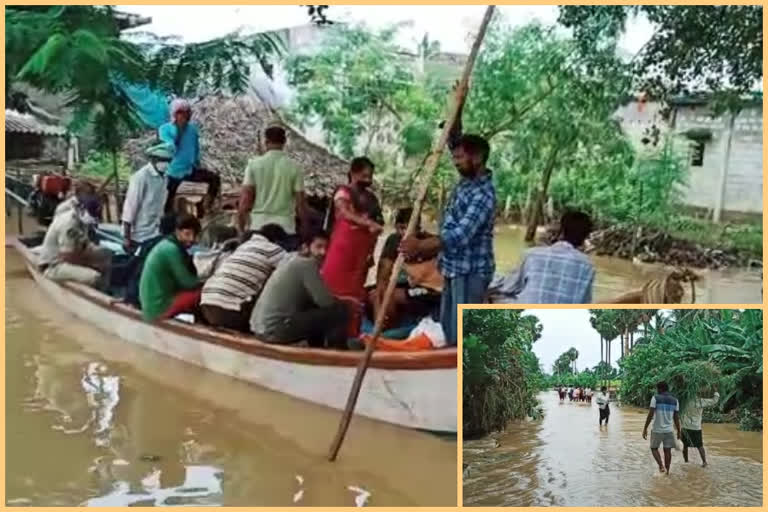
(286, 284)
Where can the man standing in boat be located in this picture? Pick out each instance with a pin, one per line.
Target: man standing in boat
(145, 199)
(67, 253)
(273, 189)
(184, 136)
(465, 241)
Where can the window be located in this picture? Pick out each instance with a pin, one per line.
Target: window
(697, 154)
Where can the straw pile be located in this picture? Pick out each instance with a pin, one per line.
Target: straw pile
(231, 132)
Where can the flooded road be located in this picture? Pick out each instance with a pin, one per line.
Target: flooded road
(567, 460)
(91, 420)
(616, 276)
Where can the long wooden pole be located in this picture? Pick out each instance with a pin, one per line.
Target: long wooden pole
(430, 166)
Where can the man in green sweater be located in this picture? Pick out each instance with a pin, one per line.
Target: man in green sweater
(169, 285)
(296, 305)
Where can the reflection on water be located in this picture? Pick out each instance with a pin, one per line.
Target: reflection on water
(202, 486)
(566, 459)
(96, 421)
(616, 276)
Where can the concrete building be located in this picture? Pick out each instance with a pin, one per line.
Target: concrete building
(724, 152)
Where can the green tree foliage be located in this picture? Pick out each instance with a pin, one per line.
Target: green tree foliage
(364, 92)
(79, 51)
(563, 365)
(554, 111)
(220, 65)
(696, 350)
(370, 97)
(600, 375)
(501, 373)
(674, 60)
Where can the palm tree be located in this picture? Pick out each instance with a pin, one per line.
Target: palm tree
(594, 321)
(573, 355)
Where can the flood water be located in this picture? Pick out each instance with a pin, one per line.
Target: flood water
(567, 460)
(91, 420)
(616, 276)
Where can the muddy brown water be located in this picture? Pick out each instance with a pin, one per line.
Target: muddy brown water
(616, 276)
(91, 420)
(565, 459)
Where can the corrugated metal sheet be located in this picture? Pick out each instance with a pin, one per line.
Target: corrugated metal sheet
(16, 122)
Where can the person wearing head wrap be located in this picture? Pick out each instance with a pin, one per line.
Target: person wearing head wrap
(184, 136)
(145, 199)
(67, 253)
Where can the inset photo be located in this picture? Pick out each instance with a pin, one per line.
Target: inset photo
(612, 407)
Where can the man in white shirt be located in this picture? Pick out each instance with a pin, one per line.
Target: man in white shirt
(602, 405)
(145, 199)
(665, 413)
(692, 425)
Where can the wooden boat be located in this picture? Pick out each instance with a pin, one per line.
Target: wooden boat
(414, 389)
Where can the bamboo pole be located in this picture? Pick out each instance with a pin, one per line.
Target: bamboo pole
(430, 167)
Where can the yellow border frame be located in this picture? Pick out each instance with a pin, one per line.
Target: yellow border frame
(459, 470)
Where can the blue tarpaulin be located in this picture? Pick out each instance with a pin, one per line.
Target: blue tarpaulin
(152, 105)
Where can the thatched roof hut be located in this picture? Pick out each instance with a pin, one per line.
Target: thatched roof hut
(231, 132)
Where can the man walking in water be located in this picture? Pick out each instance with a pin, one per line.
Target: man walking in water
(692, 425)
(664, 411)
(602, 405)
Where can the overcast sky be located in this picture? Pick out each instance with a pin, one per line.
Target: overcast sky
(566, 328)
(448, 24)
(563, 329)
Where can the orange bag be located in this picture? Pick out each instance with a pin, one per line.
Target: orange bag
(415, 344)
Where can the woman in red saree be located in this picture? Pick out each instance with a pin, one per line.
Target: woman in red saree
(357, 223)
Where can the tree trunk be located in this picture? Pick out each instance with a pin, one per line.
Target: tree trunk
(537, 205)
(527, 205)
(601, 348)
(626, 342)
(622, 344)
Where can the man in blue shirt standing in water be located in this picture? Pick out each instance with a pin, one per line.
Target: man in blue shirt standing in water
(664, 411)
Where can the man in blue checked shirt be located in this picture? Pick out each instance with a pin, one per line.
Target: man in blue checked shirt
(466, 234)
(560, 273)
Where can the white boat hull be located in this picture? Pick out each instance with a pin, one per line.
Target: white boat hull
(421, 398)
